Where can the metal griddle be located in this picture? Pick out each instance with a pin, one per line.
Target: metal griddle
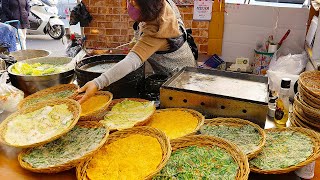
(218, 93)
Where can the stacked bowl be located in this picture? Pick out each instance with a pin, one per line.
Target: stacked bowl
(306, 108)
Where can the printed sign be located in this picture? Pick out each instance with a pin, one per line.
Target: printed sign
(202, 10)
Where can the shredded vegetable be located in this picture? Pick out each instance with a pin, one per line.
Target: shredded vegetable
(199, 163)
(39, 125)
(76, 143)
(246, 137)
(37, 69)
(282, 150)
(133, 157)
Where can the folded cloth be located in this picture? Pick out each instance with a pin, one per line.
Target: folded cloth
(8, 37)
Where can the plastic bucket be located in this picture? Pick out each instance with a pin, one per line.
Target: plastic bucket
(261, 62)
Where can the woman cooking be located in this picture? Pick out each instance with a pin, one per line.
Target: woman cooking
(162, 42)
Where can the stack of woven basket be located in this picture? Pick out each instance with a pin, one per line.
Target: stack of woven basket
(306, 108)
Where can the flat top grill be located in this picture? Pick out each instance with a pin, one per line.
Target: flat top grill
(229, 84)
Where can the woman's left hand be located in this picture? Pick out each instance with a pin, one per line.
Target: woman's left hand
(90, 88)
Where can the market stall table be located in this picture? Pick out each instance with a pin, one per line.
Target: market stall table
(10, 168)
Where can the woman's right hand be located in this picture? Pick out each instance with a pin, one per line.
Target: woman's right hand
(90, 88)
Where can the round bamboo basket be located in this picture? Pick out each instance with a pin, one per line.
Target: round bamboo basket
(147, 131)
(306, 120)
(236, 122)
(314, 136)
(64, 87)
(98, 114)
(310, 81)
(298, 122)
(196, 114)
(209, 141)
(140, 123)
(293, 122)
(72, 163)
(73, 106)
(309, 111)
(309, 99)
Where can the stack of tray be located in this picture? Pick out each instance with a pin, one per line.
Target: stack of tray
(306, 111)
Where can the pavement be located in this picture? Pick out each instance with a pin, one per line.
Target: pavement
(57, 48)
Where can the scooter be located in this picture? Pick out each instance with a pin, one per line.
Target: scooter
(44, 19)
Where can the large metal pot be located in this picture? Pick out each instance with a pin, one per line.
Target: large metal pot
(129, 86)
(31, 84)
(29, 54)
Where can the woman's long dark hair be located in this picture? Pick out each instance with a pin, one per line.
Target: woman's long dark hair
(150, 9)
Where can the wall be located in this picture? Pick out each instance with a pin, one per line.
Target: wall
(245, 25)
(111, 26)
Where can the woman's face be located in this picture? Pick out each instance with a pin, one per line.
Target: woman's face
(133, 10)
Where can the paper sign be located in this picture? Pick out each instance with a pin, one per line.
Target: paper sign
(202, 10)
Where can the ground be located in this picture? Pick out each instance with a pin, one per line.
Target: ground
(57, 48)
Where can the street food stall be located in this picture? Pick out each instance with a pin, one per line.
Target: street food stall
(185, 122)
(256, 118)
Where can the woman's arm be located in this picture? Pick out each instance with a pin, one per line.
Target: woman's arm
(130, 63)
(143, 49)
(6, 9)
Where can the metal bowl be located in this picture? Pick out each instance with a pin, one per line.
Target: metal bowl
(31, 84)
(29, 54)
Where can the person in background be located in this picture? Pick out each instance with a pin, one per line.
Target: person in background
(161, 42)
(17, 10)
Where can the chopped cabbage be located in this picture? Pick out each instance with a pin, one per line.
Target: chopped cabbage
(37, 69)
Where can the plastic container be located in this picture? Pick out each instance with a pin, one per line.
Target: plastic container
(282, 105)
(261, 62)
(272, 106)
(306, 172)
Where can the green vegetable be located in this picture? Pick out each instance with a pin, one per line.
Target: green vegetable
(282, 150)
(246, 137)
(37, 69)
(127, 113)
(38, 125)
(76, 143)
(199, 163)
(60, 94)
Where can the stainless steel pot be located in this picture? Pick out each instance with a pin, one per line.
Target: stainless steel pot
(29, 54)
(31, 84)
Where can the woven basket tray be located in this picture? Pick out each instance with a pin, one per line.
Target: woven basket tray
(310, 81)
(98, 114)
(71, 164)
(309, 111)
(159, 135)
(293, 121)
(73, 106)
(236, 122)
(196, 114)
(308, 99)
(314, 136)
(297, 122)
(55, 89)
(311, 122)
(209, 141)
(141, 123)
